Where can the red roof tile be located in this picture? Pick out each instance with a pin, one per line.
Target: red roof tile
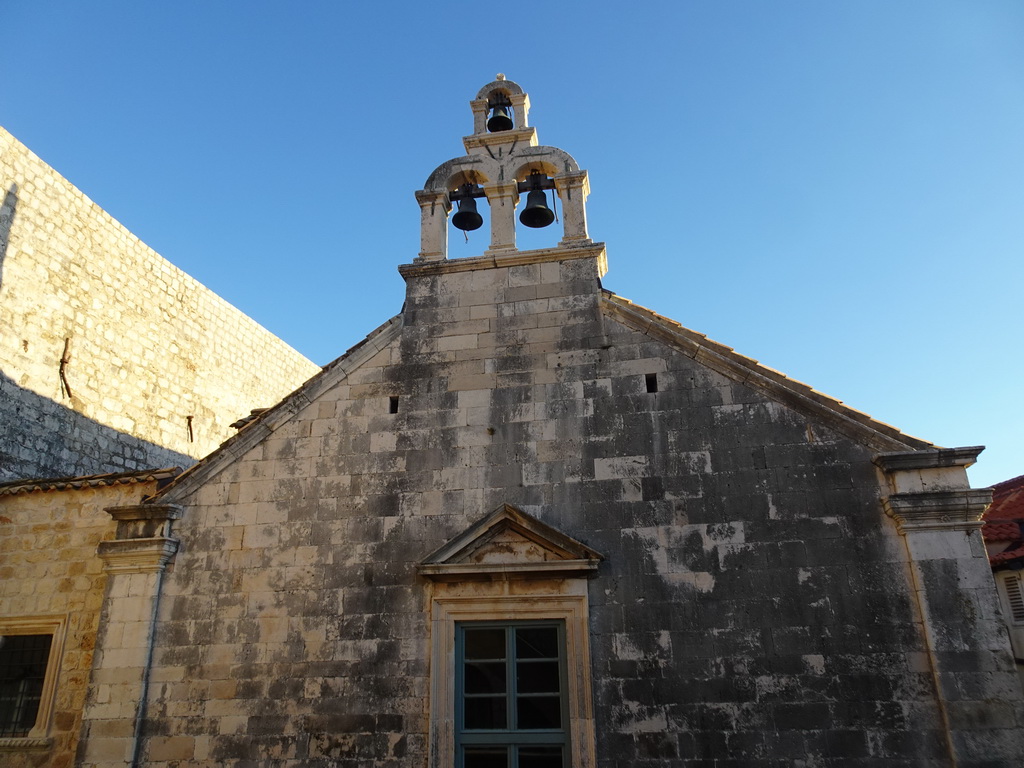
(1001, 531)
(1004, 521)
(1007, 500)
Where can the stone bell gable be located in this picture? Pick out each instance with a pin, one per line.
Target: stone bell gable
(527, 522)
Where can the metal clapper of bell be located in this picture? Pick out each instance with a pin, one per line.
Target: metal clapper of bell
(536, 214)
(467, 219)
(499, 120)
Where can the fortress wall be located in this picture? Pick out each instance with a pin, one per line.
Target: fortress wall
(149, 346)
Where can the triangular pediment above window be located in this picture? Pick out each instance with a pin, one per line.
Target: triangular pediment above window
(509, 544)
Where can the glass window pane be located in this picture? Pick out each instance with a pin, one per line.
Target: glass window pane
(485, 677)
(539, 712)
(485, 643)
(540, 757)
(537, 643)
(485, 712)
(485, 757)
(22, 671)
(537, 677)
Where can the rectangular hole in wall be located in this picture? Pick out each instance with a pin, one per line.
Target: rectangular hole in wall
(393, 404)
(652, 382)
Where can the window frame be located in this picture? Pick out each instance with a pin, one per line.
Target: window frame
(512, 738)
(570, 610)
(38, 735)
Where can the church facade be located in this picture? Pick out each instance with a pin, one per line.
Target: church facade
(528, 523)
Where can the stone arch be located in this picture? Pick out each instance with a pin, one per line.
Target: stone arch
(548, 160)
(470, 168)
(504, 87)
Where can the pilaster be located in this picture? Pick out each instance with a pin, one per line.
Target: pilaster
(573, 190)
(135, 562)
(938, 514)
(434, 209)
(503, 198)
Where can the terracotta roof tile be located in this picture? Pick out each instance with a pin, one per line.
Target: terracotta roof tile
(1004, 521)
(1007, 500)
(1001, 532)
(88, 481)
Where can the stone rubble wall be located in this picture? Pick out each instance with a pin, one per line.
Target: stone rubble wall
(149, 346)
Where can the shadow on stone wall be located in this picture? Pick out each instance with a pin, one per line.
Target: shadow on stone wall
(7, 213)
(42, 438)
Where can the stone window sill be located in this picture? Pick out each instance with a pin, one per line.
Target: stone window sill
(25, 744)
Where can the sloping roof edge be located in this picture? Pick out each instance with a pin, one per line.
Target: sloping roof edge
(14, 487)
(776, 385)
(268, 422)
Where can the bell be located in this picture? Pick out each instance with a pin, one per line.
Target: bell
(467, 219)
(500, 121)
(536, 214)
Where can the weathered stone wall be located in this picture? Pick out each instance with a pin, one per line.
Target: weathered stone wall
(755, 606)
(149, 347)
(49, 567)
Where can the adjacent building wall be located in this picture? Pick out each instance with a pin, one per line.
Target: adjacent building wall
(145, 346)
(49, 570)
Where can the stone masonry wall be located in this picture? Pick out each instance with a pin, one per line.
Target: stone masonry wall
(755, 602)
(49, 567)
(149, 347)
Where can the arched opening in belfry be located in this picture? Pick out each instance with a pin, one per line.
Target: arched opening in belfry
(538, 214)
(500, 115)
(470, 218)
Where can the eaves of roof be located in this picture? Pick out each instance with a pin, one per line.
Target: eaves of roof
(270, 420)
(790, 392)
(15, 487)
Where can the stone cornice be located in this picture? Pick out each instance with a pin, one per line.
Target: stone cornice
(928, 459)
(137, 555)
(958, 510)
(526, 136)
(144, 522)
(146, 512)
(514, 259)
(554, 569)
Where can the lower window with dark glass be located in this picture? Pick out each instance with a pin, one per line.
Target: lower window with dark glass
(23, 660)
(510, 692)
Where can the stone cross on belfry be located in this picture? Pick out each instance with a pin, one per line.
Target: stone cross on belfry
(501, 162)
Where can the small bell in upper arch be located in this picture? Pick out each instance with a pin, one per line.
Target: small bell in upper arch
(499, 120)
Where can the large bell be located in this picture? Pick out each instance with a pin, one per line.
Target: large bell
(536, 214)
(499, 121)
(467, 218)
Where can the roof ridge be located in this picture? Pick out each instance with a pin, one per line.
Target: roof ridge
(729, 362)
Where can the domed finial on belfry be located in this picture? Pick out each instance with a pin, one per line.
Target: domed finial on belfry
(499, 76)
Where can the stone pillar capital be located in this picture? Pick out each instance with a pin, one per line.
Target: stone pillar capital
(958, 510)
(143, 542)
(573, 180)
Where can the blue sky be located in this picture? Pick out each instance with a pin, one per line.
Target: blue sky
(833, 188)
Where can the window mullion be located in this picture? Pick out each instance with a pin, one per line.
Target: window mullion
(510, 680)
